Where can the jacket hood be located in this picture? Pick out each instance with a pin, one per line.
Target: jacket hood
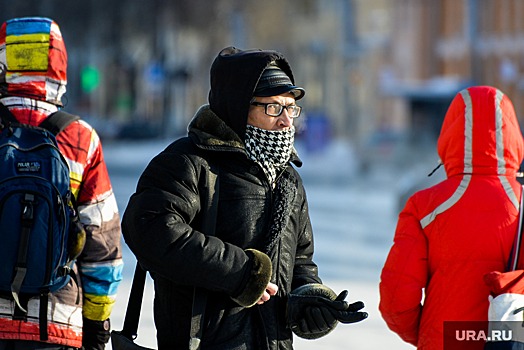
(234, 76)
(33, 59)
(480, 134)
(207, 129)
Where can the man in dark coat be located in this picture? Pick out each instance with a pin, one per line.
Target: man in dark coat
(257, 270)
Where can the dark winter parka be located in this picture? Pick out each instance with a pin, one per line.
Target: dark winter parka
(262, 234)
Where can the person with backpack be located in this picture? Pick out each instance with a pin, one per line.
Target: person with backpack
(62, 189)
(255, 278)
(451, 235)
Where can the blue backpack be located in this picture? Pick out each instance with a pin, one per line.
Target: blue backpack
(38, 222)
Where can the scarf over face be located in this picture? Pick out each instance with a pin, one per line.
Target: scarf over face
(271, 149)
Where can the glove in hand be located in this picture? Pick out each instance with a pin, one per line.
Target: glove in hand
(314, 310)
(95, 334)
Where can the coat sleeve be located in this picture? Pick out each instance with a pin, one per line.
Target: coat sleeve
(404, 277)
(100, 264)
(161, 226)
(305, 270)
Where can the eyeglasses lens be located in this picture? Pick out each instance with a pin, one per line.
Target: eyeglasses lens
(294, 111)
(275, 109)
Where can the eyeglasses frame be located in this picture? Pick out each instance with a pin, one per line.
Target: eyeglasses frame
(261, 104)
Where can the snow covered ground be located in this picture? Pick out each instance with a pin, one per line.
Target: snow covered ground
(353, 217)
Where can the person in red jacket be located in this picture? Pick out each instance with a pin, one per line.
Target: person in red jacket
(450, 235)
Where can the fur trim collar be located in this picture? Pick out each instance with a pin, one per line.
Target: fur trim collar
(210, 130)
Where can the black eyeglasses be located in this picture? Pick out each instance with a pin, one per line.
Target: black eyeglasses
(276, 109)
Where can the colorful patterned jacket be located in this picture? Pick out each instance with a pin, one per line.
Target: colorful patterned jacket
(31, 86)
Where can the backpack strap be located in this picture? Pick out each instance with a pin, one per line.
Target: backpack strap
(55, 122)
(23, 248)
(58, 121)
(6, 116)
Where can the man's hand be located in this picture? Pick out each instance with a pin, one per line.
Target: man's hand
(271, 290)
(314, 310)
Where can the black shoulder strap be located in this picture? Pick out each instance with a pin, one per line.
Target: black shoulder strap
(515, 258)
(55, 122)
(58, 121)
(6, 115)
(134, 305)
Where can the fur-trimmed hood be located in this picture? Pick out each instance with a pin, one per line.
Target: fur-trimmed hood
(207, 129)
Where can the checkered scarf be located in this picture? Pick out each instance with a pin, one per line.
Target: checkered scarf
(269, 148)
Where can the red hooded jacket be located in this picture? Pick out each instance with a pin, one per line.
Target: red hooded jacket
(450, 235)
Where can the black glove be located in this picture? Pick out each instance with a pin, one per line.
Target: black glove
(314, 310)
(95, 334)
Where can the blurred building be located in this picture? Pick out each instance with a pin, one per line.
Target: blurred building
(376, 71)
(443, 46)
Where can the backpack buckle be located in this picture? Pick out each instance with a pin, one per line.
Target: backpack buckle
(28, 210)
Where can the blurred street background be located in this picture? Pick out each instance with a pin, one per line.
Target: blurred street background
(379, 73)
(379, 76)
